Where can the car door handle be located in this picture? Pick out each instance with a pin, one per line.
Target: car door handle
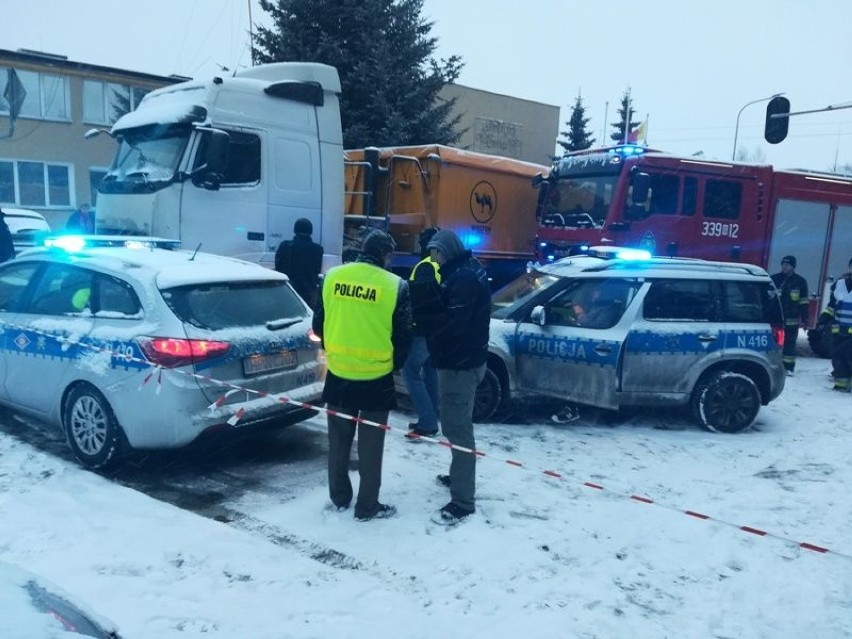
(603, 349)
(706, 338)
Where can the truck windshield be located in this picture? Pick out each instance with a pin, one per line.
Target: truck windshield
(147, 158)
(578, 201)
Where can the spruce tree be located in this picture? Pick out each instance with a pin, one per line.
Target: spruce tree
(578, 136)
(617, 136)
(383, 52)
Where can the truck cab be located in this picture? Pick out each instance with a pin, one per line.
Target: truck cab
(230, 163)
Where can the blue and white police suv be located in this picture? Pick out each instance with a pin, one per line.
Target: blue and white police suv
(129, 344)
(618, 327)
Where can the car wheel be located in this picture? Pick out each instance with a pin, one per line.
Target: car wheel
(820, 342)
(726, 402)
(91, 428)
(488, 398)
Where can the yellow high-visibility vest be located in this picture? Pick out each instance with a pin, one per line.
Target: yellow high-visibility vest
(359, 300)
(427, 260)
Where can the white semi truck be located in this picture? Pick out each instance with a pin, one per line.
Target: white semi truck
(231, 162)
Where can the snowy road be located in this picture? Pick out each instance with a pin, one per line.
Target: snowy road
(541, 558)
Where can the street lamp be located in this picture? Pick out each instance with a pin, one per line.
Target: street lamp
(737, 129)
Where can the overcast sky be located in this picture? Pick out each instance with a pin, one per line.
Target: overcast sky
(691, 65)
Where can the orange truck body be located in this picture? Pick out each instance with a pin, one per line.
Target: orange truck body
(489, 201)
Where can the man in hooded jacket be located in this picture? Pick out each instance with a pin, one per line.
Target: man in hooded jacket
(457, 336)
(364, 319)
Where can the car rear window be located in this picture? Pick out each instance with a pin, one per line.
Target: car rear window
(751, 302)
(234, 304)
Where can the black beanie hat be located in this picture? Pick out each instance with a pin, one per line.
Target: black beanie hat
(378, 244)
(303, 225)
(790, 259)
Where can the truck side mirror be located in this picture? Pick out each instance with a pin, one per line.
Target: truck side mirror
(641, 187)
(214, 160)
(777, 120)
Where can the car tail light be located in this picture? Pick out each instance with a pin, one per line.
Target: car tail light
(778, 334)
(171, 352)
(313, 337)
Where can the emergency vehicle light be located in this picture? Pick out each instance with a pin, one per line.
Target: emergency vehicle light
(628, 149)
(76, 243)
(633, 254)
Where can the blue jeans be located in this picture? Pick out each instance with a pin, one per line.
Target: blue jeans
(421, 380)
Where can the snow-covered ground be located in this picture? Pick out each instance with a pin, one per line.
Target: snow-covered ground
(542, 557)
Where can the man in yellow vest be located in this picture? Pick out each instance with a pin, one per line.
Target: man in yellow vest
(364, 319)
(421, 378)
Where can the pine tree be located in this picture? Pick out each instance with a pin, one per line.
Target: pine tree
(578, 137)
(383, 53)
(617, 136)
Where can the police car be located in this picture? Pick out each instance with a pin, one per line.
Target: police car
(129, 343)
(618, 327)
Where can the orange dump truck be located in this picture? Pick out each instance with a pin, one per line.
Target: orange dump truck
(489, 201)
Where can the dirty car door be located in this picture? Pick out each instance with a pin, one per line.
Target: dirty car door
(575, 353)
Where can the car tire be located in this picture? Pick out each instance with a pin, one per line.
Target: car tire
(489, 397)
(92, 431)
(726, 402)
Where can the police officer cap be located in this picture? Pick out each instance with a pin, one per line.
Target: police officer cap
(378, 244)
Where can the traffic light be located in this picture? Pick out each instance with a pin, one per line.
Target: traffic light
(775, 129)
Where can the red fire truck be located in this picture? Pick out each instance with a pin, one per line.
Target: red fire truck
(691, 207)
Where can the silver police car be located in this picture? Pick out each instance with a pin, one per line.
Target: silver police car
(624, 329)
(126, 345)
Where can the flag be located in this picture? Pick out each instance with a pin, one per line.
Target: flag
(14, 94)
(639, 135)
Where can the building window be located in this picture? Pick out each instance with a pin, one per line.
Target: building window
(105, 102)
(40, 184)
(46, 95)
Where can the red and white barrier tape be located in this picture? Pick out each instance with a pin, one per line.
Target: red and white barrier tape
(240, 411)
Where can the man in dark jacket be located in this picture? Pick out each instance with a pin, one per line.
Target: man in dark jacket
(301, 260)
(793, 291)
(364, 319)
(7, 246)
(457, 335)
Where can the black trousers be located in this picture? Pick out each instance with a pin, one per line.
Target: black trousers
(841, 359)
(791, 334)
(371, 447)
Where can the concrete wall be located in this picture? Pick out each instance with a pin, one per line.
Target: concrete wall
(504, 125)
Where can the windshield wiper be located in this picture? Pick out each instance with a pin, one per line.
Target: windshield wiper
(277, 325)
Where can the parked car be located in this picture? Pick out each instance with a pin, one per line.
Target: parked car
(649, 331)
(28, 228)
(202, 324)
(33, 608)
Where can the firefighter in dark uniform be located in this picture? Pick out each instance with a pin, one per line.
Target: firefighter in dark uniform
(364, 319)
(838, 313)
(794, 301)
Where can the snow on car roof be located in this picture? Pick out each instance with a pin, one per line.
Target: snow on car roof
(672, 267)
(168, 268)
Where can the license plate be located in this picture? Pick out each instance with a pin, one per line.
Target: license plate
(257, 364)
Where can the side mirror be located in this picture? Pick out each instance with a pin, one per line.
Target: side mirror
(214, 162)
(641, 187)
(539, 316)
